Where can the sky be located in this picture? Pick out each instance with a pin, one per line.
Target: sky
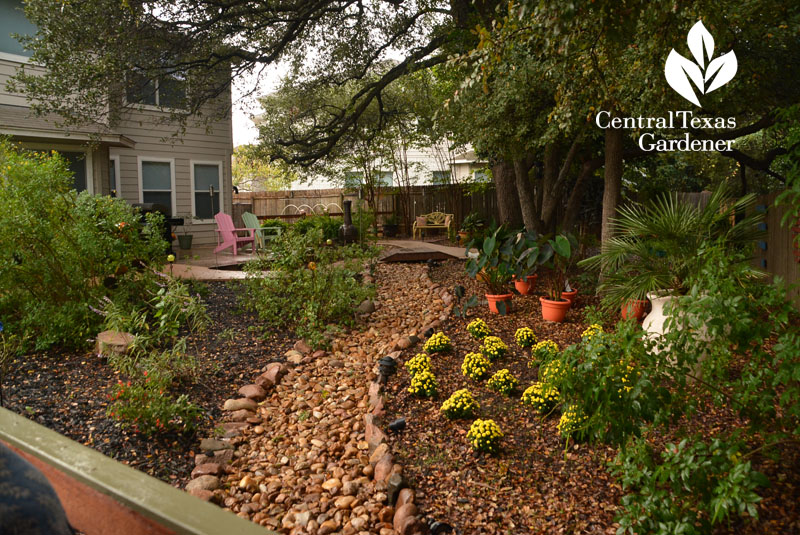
(244, 131)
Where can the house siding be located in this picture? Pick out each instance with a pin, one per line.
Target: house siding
(153, 141)
(151, 138)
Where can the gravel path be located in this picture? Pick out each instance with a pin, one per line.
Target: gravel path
(302, 462)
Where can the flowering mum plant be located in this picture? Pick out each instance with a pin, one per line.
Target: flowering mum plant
(572, 421)
(423, 384)
(540, 397)
(591, 331)
(493, 348)
(419, 363)
(475, 366)
(553, 373)
(478, 329)
(484, 435)
(525, 337)
(438, 343)
(502, 382)
(543, 351)
(460, 405)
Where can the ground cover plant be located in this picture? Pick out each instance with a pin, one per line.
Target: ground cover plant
(621, 438)
(312, 287)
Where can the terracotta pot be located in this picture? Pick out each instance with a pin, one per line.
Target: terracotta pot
(554, 310)
(493, 299)
(569, 296)
(524, 287)
(634, 308)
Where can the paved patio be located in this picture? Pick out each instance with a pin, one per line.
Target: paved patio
(201, 263)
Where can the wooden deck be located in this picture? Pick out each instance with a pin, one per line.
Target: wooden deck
(418, 251)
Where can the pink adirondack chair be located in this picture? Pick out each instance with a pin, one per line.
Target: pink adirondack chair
(228, 235)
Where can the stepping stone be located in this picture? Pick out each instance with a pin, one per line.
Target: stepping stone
(113, 343)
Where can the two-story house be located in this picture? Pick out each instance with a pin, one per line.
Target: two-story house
(133, 159)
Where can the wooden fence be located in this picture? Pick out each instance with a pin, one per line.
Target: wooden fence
(777, 252)
(420, 200)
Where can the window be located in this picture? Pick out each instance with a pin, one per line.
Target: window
(440, 177)
(156, 181)
(79, 163)
(164, 92)
(113, 177)
(353, 179)
(383, 178)
(206, 189)
(13, 21)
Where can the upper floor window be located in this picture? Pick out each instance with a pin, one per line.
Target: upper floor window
(13, 21)
(163, 92)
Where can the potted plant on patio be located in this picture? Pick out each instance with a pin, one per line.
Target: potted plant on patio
(526, 261)
(494, 266)
(556, 254)
(391, 226)
(659, 246)
(185, 239)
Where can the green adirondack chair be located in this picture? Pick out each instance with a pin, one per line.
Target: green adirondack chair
(263, 234)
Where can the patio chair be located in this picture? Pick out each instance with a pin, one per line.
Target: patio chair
(263, 234)
(228, 235)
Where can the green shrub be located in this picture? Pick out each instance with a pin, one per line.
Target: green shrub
(688, 488)
(525, 337)
(484, 435)
(423, 384)
(502, 381)
(460, 405)
(494, 348)
(475, 366)
(329, 226)
(540, 397)
(62, 252)
(280, 223)
(437, 343)
(314, 302)
(478, 329)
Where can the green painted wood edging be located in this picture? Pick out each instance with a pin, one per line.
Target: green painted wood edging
(146, 495)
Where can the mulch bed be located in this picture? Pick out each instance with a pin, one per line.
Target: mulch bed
(534, 484)
(67, 391)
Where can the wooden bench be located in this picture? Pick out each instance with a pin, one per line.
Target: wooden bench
(432, 220)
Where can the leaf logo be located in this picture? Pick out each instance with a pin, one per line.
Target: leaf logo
(679, 71)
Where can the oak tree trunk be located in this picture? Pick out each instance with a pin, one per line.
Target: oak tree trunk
(612, 191)
(527, 202)
(506, 190)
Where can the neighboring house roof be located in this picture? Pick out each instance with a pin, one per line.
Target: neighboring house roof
(468, 157)
(18, 121)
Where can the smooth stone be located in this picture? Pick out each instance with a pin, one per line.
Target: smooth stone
(254, 392)
(212, 444)
(203, 483)
(207, 469)
(239, 404)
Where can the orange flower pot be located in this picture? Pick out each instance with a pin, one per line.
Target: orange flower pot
(634, 309)
(554, 310)
(494, 299)
(569, 296)
(524, 287)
